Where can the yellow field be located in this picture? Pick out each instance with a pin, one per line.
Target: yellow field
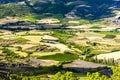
(22, 54)
(33, 39)
(23, 46)
(43, 53)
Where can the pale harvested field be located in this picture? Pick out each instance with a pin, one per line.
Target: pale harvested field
(33, 39)
(48, 62)
(89, 34)
(10, 36)
(24, 46)
(9, 19)
(114, 55)
(32, 32)
(60, 46)
(82, 38)
(1, 36)
(21, 33)
(117, 13)
(103, 44)
(1, 52)
(22, 54)
(73, 22)
(109, 42)
(43, 53)
(37, 62)
(78, 27)
(82, 64)
(78, 40)
(6, 32)
(48, 21)
(38, 32)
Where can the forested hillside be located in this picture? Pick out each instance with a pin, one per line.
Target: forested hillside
(87, 9)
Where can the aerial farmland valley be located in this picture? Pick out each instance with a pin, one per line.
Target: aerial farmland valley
(59, 40)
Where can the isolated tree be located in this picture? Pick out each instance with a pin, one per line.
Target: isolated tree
(57, 76)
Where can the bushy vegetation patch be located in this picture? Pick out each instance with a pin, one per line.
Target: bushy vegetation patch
(83, 21)
(10, 55)
(21, 39)
(98, 76)
(63, 36)
(85, 50)
(65, 76)
(12, 9)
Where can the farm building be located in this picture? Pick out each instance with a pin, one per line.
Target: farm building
(49, 39)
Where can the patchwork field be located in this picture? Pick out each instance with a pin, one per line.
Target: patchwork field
(55, 48)
(28, 44)
(97, 41)
(112, 55)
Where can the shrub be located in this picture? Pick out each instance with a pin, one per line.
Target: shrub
(65, 76)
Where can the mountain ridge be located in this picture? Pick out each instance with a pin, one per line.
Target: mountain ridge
(85, 9)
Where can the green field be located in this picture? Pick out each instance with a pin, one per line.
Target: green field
(60, 57)
(109, 33)
(21, 39)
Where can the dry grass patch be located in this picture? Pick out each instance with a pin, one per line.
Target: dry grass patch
(23, 46)
(33, 39)
(38, 32)
(39, 62)
(5, 32)
(78, 27)
(60, 46)
(112, 55)
(73, 22)
(21, 54)
(49, 21)
(43, 53)
(21, 33)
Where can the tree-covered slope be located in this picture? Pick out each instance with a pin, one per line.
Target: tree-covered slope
(88, 9)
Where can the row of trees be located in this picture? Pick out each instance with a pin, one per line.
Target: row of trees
(110, 61)
(57, 76)
(93, 76)
(65, 76)
(98, 76)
